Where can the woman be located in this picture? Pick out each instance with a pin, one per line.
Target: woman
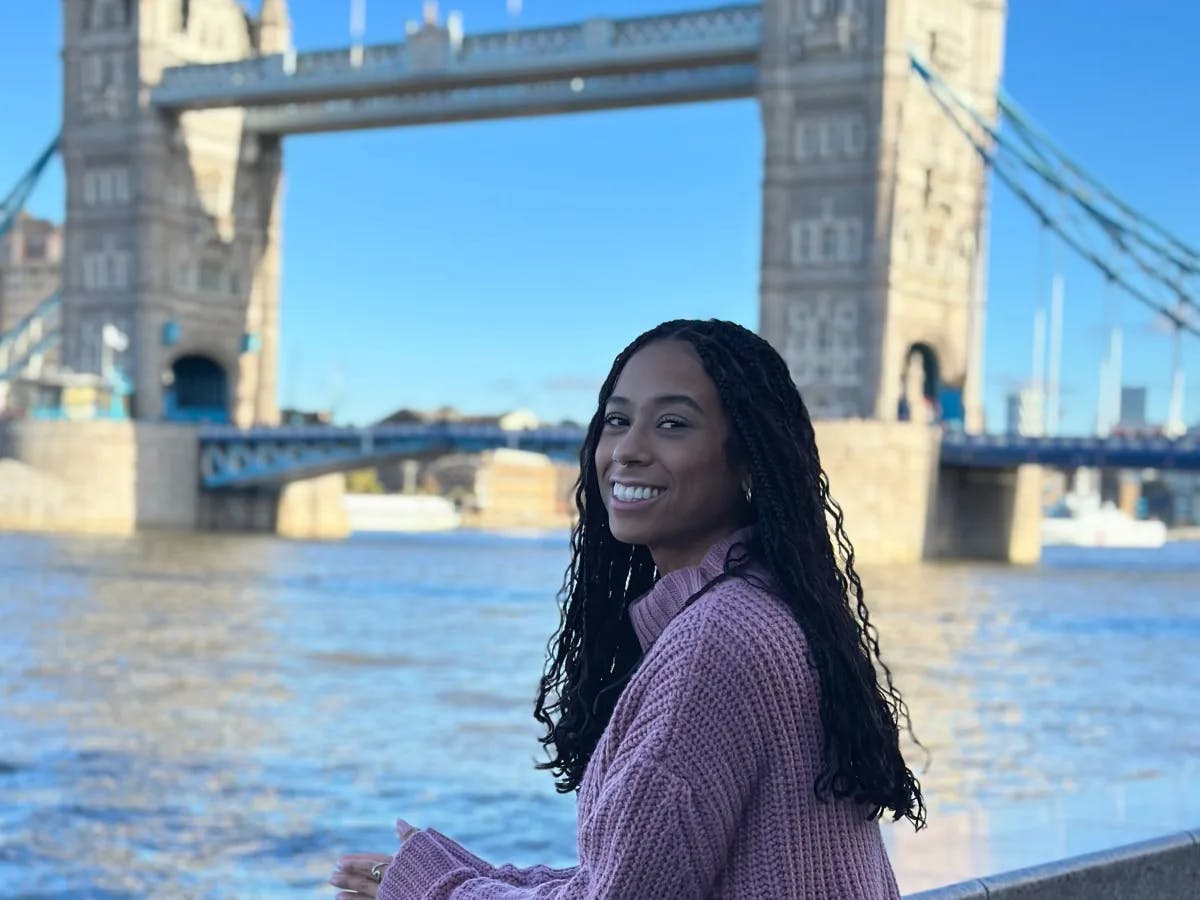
(712, 694)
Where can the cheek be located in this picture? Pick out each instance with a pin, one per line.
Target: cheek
(602, 458)
(711, 477)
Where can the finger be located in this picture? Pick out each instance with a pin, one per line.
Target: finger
(356, 859)
(354, 881)
(354, 872)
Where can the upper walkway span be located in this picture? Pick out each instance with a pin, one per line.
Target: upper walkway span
(437, 76)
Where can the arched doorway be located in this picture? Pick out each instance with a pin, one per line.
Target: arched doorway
(198, 391)
(920, 386)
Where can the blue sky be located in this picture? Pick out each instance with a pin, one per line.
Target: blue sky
(503, 264)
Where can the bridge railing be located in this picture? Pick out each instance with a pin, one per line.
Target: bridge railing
(1115, 451)
(430, 60)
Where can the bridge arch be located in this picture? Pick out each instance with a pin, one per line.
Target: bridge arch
(920, 385)
(196, 390)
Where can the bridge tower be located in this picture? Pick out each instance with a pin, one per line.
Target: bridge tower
(873, 206)
(173, 220)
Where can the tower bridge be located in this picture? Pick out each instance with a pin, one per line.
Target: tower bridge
(176, 115)
(175, 119)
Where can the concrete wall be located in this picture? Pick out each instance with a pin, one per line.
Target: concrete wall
(1166, 868)
(901, 507)
(883, 475)
(167, 476)
(119, 477)
(96, 477)
(987, 514)
(313, 509)
(303, 510)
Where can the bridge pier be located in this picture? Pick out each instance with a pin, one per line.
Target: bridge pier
(97, 477)
(986, 514)
(122, 477)
(903, 506)
(301, 510)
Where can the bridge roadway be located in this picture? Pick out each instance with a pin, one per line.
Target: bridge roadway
(236, 458)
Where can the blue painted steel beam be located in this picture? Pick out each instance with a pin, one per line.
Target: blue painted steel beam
(1006, 452)
(12, 204)
(233, 458)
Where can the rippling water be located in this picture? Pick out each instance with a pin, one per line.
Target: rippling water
(210, 716)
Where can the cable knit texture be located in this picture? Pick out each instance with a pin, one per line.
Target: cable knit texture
(702, 784)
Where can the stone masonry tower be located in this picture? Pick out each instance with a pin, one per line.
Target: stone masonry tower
(173, 222)
(873, 205)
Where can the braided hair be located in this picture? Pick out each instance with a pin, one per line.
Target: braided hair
(595, 651)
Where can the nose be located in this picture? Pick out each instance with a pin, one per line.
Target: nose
(630, 449)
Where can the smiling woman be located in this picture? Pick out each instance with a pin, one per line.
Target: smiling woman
(712, 690)
(665, 476)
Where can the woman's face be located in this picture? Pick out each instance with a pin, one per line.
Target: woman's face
(661, 461)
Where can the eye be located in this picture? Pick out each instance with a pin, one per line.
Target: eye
(671, 424)
(615, 420)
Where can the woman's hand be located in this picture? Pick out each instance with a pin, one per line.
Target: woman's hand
(354, 874)
(360, 873)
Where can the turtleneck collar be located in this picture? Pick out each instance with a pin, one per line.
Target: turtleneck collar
(654, 610)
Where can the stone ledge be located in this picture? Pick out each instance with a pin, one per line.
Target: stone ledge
(1165, 868)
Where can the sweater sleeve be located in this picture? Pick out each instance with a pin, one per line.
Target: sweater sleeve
(665, 818)
(658, 841)
(509, 874)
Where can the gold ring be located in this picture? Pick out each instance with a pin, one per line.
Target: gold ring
(377, 872)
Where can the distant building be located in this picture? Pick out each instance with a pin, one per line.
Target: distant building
(30, 267)
(516, 420)
(403, 417)
(505, 488)
(305, 417)
(1133, 408)
(459, 476)
(1024, 412)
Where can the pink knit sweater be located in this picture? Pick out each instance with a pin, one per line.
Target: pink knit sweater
(702, 784)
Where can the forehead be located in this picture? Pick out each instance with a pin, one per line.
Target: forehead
(666, 367)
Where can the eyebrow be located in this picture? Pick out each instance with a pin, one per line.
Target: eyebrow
(661, 400)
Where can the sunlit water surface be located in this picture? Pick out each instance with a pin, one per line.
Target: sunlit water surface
(213, 716)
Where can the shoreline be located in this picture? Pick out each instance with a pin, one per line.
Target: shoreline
(1183, 533)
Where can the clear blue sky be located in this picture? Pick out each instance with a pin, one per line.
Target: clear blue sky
(503, 264)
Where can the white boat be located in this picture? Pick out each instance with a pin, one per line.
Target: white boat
(400, 513)
(1083, 521)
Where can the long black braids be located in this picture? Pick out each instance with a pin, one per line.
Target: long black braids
(797, 525)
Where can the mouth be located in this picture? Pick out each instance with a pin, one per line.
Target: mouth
(633, 496)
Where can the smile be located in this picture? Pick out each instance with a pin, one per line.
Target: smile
(629, 493)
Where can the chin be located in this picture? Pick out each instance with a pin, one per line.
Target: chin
(628, 533)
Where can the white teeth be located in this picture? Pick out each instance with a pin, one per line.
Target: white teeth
(631, 494)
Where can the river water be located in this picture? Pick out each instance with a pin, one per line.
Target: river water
(218, 716)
